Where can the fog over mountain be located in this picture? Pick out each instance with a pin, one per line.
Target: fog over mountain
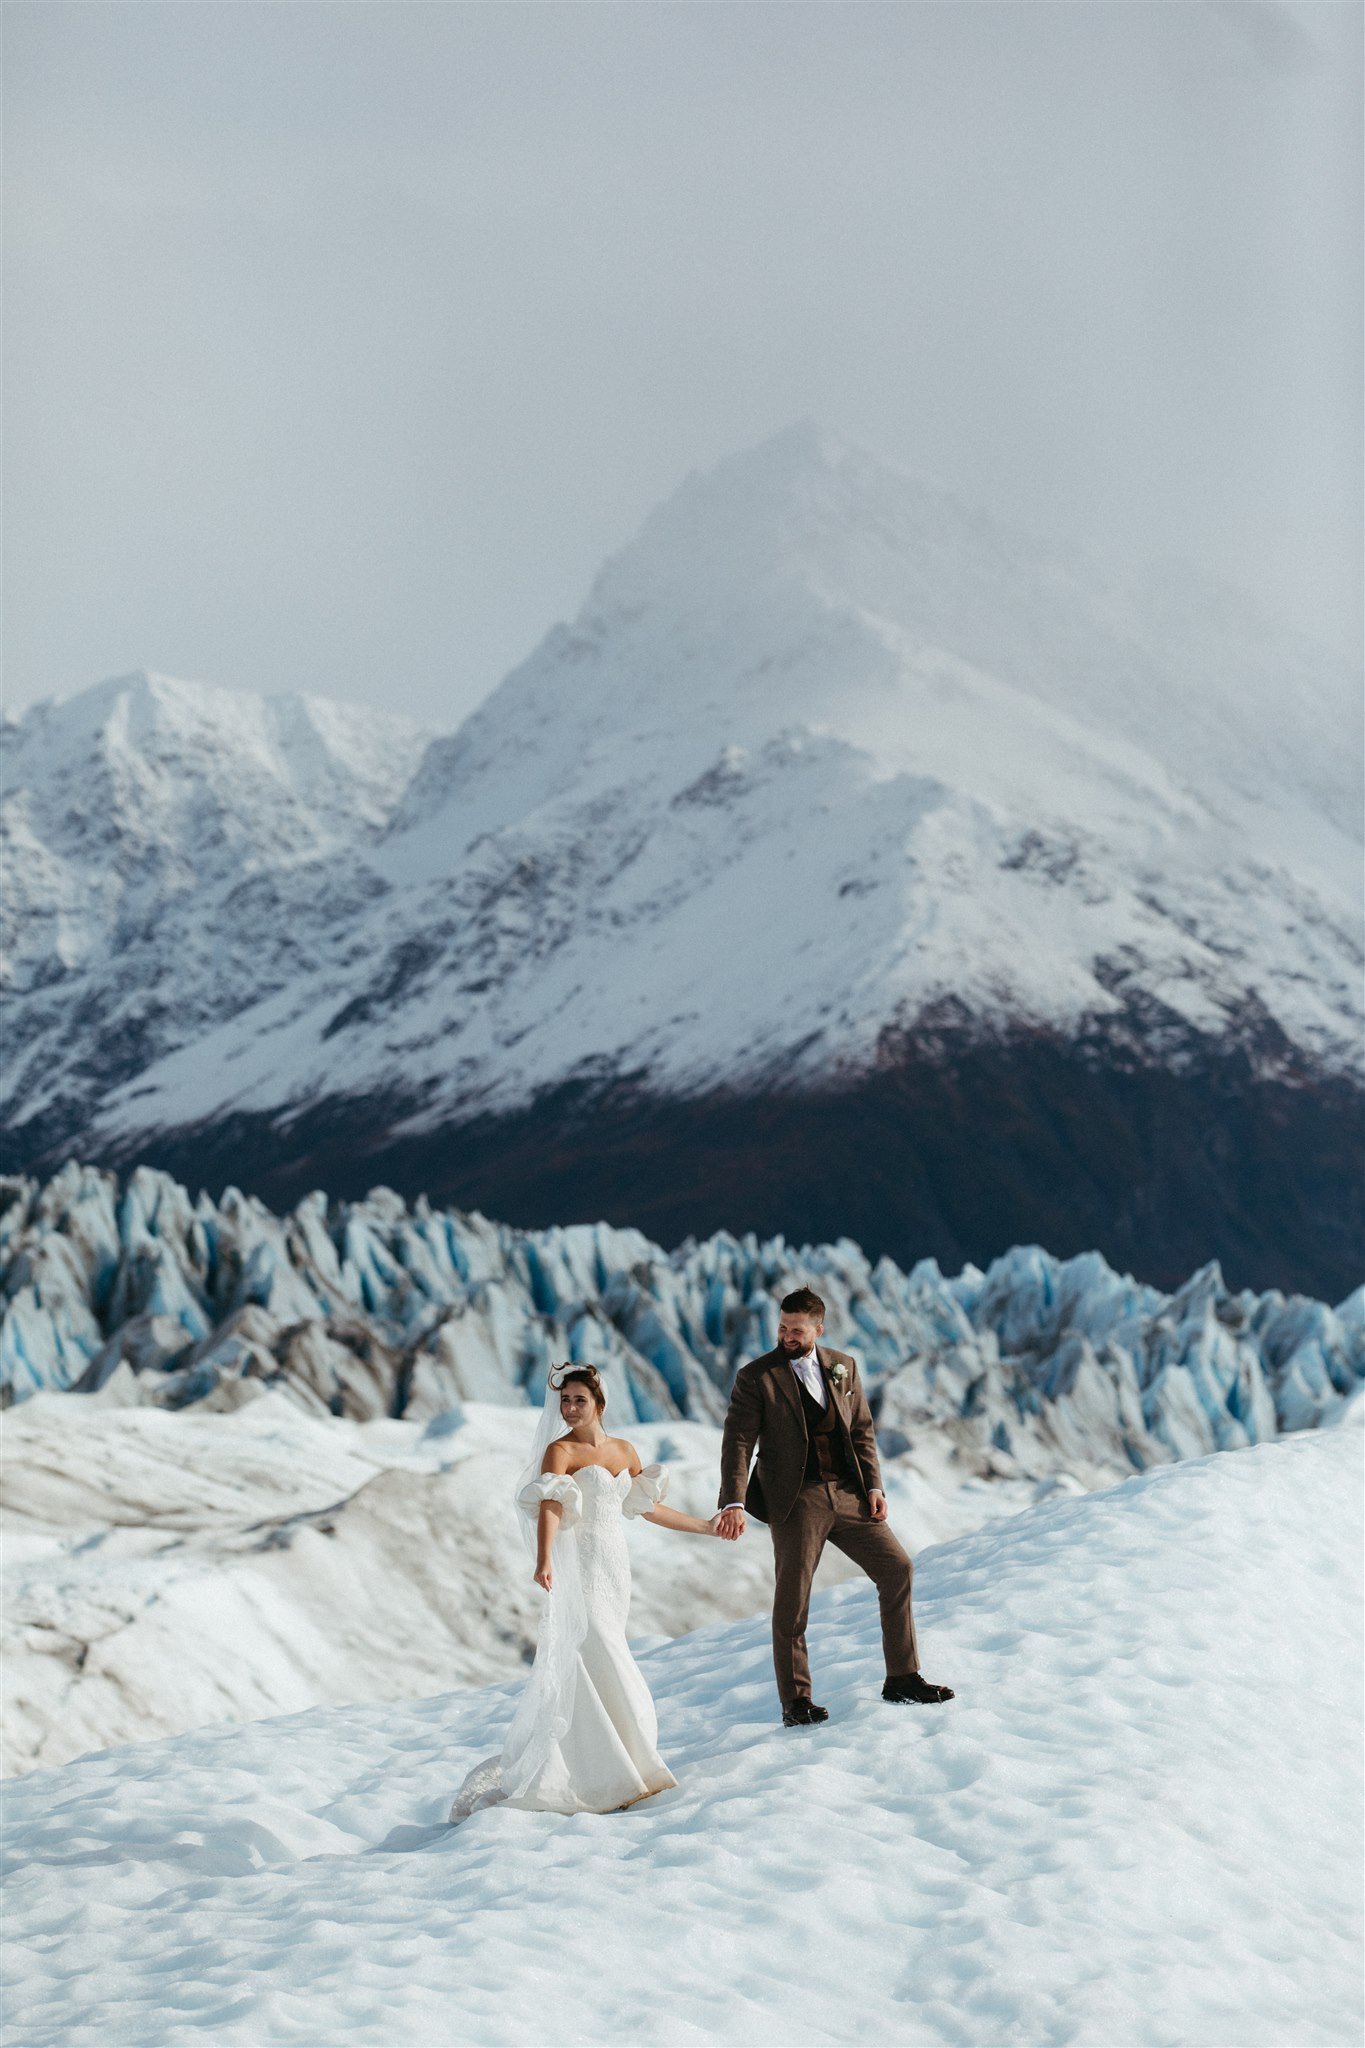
(851, 865)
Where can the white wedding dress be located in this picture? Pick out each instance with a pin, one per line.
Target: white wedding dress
(584, 1737)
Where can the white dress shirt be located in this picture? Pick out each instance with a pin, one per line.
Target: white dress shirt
(807, 1370)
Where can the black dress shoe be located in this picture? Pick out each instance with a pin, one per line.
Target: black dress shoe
(803, 1713)
(913, 1688)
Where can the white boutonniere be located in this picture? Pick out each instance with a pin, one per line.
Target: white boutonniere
(838, 1373)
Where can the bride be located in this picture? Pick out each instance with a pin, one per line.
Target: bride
(583, 1737)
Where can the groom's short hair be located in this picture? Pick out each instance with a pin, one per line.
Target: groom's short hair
(804, 1302)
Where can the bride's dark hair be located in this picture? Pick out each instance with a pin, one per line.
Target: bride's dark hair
(589, 1376)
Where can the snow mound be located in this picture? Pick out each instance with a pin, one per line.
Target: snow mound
(1139, 1822)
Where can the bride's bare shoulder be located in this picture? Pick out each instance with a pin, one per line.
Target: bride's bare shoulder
(630, 1454)
(557, 1456)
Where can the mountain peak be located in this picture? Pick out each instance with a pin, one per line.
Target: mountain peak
(129, 707)
(778, 558)
(146, 711)
(802, 439)
(788, 509)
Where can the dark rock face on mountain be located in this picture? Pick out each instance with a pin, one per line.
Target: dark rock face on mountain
(955, 1156)
(851, 865)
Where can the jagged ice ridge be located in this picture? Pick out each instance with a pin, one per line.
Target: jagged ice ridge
(371, 1308)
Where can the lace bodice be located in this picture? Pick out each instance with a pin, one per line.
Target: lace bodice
(600, 1492)
(594, 1502)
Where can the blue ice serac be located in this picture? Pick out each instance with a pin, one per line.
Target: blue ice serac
(378, 1307)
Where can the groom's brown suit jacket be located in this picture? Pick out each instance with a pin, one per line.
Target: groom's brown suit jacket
(766, 1413)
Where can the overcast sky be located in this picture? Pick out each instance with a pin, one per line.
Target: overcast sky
(342, 342)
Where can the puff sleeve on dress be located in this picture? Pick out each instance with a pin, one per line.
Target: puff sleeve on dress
(552, 1486)
(647, 1489)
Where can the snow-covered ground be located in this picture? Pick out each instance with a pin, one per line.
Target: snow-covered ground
(165, 1570)
(1138, 1823)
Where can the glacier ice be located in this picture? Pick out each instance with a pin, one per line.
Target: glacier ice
(374, 1308)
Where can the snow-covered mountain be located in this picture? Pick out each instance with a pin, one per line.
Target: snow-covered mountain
(1137, 1822)
(843, 820)
(172, 853)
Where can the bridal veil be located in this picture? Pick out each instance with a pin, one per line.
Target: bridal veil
(545, 1709)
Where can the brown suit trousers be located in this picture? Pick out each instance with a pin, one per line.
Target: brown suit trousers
(829, 1511)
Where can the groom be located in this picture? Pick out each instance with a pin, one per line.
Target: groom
(817, 1481)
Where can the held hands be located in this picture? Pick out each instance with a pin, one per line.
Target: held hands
(730, 1522)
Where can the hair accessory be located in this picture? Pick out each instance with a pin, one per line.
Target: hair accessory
(568, 1367)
